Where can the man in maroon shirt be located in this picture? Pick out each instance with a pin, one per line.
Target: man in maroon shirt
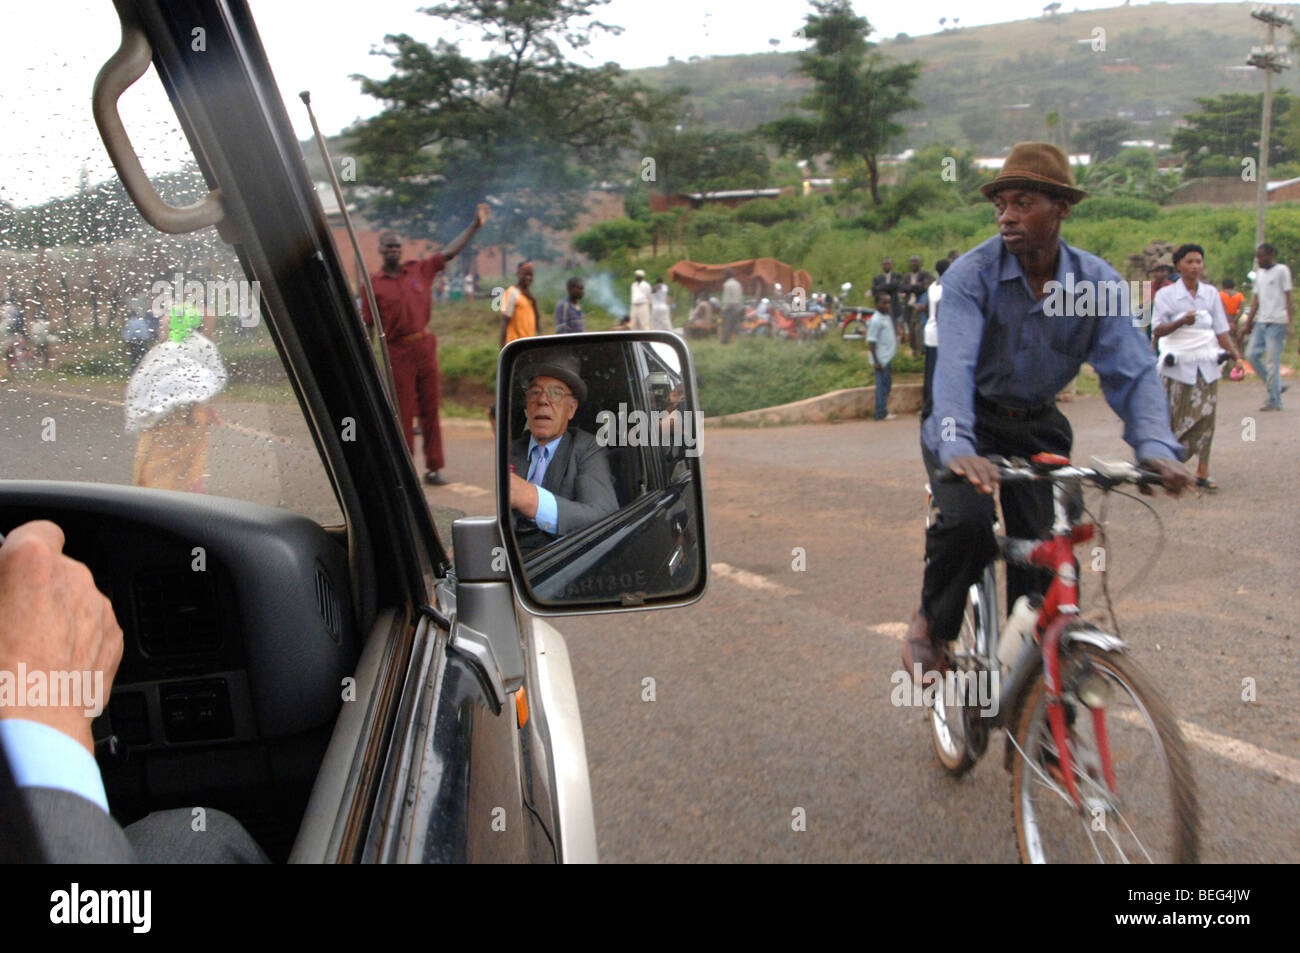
(404, 294)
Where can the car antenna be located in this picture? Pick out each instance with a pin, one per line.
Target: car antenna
(390, 384)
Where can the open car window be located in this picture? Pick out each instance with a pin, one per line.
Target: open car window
(130, 357)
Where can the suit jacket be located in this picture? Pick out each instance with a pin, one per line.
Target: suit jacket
(579, 478)
(50, 825)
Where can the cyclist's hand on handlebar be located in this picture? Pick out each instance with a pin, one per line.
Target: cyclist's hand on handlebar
(1177, 476)
(982, 473)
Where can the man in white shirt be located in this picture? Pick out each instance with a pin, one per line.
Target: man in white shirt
(733, 304)
(1268, 321)
(640, 312)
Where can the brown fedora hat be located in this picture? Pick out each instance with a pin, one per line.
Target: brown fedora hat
(1039, 167)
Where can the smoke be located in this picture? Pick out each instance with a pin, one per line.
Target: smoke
(600, 290)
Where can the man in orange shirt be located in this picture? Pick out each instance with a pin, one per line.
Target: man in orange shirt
(519, 308)
(1232, 302)
(404, 293)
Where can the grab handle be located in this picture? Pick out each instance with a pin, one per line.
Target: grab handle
(123, 68)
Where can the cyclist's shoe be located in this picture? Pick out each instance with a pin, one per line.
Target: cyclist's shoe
(923, 656)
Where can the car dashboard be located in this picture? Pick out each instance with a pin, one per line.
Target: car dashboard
(239, 638)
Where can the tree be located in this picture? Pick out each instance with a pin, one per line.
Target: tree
(1102, 138)
(706, 161)
(608, 238)
(1226, 130)
(857, 92)
(524, 128)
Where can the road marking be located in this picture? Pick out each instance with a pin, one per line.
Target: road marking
(50, 392)
(751, 580)
(1232, 749)
(467, 489)
(253, 432)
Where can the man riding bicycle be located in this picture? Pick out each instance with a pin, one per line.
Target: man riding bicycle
(1021, 312)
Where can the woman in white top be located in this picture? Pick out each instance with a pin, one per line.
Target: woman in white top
(660, 315)
(1190, 329)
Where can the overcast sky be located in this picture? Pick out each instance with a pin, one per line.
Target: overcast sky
(51, 51)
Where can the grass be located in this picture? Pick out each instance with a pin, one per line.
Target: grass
(754, 372)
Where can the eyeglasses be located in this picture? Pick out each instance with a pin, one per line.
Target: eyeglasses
(555, 394)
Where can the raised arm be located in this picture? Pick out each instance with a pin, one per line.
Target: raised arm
(460, 241)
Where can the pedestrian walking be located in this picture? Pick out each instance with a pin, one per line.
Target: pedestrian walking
(1268, 321)
(1190, 329)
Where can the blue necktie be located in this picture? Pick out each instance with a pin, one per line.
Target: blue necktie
(537, 471)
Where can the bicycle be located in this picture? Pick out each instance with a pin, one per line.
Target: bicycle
(853, 323)
(1098, 763)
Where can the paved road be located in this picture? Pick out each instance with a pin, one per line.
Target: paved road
(773, 693)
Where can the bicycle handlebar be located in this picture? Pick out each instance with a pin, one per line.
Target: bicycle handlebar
(1108, 473)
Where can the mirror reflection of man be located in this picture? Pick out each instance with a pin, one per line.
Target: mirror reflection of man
(560, 481)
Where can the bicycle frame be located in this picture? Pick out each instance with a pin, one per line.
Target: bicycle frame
(1060, 607)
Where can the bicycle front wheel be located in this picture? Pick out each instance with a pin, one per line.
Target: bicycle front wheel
(1150, 816)
(855, 330)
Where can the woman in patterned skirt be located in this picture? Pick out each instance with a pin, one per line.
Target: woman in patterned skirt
(1191, 330)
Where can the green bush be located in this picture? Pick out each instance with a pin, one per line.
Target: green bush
(1110, 207)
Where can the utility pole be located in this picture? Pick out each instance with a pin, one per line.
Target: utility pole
(1270, 61)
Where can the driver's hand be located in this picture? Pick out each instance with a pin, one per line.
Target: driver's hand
(982, 473)
(523, 496)
(1176, 476)
(53, 619)
(481, 216)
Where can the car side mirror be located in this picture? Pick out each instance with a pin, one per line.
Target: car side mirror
(600, 488)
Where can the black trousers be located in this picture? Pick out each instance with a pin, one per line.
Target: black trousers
(960, 543)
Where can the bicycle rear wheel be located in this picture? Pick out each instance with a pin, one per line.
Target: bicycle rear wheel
(1151, 817)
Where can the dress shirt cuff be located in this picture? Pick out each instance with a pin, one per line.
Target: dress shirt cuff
(44, 757)
(547, 517)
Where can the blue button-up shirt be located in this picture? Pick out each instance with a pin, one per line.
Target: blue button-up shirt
(996, 338)
(539, 459)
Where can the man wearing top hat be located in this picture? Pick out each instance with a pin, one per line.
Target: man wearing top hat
(559, 481)
(1006, 348)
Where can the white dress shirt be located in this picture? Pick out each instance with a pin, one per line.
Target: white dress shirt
(1174, 301)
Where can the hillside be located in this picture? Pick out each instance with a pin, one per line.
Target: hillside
(990, 86)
